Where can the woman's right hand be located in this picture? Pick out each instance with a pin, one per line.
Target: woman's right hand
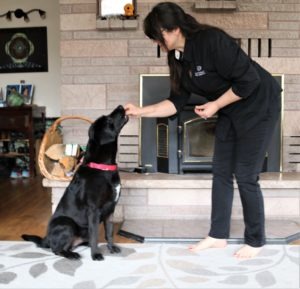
(132, 110)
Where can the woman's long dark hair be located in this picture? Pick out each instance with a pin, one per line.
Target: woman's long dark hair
(169, 16)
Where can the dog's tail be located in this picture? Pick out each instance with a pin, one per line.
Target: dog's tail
(40, 242)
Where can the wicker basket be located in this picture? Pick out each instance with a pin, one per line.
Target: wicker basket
(53, 136)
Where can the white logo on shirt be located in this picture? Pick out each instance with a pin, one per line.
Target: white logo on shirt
(199, 71)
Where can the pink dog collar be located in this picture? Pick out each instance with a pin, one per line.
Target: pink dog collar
(102, 167)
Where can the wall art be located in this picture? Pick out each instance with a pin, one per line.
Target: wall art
(23, 50)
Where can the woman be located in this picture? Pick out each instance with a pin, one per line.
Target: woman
(206, 61)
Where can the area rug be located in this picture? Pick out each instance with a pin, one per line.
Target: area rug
(23, 265)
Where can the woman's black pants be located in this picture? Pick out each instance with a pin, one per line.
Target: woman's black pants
(242, 158)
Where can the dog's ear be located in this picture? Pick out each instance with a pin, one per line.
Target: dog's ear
(91, 132)
(107, 140)
(108, 136)
(102, 131)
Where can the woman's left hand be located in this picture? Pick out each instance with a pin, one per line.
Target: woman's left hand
(206, 110)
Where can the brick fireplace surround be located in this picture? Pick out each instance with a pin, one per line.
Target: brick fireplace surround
(101, 69)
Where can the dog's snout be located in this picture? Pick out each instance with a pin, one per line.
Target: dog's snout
(119, 109)
(122, 110)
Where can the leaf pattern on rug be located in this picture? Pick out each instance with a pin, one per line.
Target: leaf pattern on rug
(265, 279)
(7, 277)
(190, 268)
(85, 285)
(152, 283)
(18, 247)
(30, 255)
(145, 269)
(193, 279)
(130, 280)
(233, 268)
(266, 252)
(140, 256)
(235, 280)
(66, 266)
(256, 262)
(38, 269)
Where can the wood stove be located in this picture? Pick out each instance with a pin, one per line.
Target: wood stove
(185, 144)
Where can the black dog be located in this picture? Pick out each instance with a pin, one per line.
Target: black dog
(91, 196)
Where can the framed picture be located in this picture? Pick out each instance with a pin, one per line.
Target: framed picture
(12, 88)
(23, 50)
(26, 90)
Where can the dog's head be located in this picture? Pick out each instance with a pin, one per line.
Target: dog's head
(106, 128)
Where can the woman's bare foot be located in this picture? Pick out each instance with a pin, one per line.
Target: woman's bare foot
(247, 252)
(207, 243)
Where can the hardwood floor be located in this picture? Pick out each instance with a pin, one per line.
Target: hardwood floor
(25, 207)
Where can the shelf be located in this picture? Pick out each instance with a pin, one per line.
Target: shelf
(13, 155)
(18, 129)
(14, 140)
(116, 24)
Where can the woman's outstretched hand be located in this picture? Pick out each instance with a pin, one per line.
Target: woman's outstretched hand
(164, 108)
(206, 110)
(132, 110)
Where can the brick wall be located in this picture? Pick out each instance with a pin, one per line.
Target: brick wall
(100, 69)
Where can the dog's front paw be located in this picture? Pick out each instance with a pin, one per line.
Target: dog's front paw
(69, 255)
(113, 248)
(97, 257)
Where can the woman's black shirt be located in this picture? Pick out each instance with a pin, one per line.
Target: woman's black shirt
(213, 63)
